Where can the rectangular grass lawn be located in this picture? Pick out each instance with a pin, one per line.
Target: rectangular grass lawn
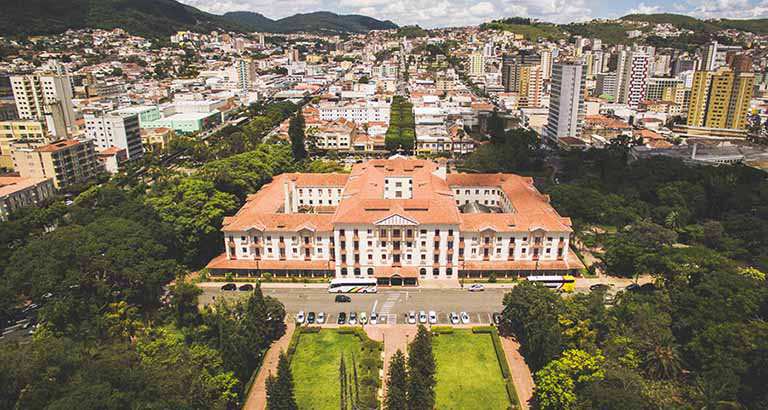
(468, 373)
(315, 368)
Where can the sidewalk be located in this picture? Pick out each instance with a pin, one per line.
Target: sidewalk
(268, 285)
(257, 397)
(521, 375)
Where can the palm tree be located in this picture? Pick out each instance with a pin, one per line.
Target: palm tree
(662, 360)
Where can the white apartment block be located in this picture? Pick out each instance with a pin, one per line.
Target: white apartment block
(400, 221)
(566, 101)
(633, 70)
(115, 129)
(45, 97)
(360, 111)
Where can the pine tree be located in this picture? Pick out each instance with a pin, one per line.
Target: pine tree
(397, 384)
(296, 133)
(356, 383)
(421, 371)
(280, 388)
(343, 383)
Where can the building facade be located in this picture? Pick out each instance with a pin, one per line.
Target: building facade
(720, 99)
(45, 98)
(566, 101)
(67, 162)
(633, 71)
(11, 131)
(115, 129)
(19, 192)
(399, 221)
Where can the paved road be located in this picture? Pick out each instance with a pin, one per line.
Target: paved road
(394, 303)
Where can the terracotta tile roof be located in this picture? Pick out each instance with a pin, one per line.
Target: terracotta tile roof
(221, 262)
(10, 185)
(58, 145)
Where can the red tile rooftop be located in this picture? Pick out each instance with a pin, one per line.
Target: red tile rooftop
(58, 145)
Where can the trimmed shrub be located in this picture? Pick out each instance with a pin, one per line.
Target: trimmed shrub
(442, 330)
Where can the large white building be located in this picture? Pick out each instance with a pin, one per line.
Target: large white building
(359, 111)
(115, 129)
(399, 221)
(566, 101)
(633, 70)
(45, 97)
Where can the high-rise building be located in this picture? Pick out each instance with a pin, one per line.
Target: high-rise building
(11, 131)
(511, 65)
(709, 56)
(657, 85)
(632, 76)
(605, 84)
(246, 74)
(45, 97)
(531, 82)
(66, 161)
(115, 129)
(546, 64)
(476, 64)
(566, 102)
(720, 99)
(739, 62)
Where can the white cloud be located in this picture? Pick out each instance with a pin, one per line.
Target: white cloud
(643, 8)
(482, 9)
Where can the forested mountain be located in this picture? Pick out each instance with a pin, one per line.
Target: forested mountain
(161, 18)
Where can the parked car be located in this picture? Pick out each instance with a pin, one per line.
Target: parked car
(363, 318)
(374, 318)
(311, 318)
(320, 318)
(633, 287)
(246, 288)
(454, 318)
(229, 286)
(300, 317)
(432, 317)
(412, 318)
(464, 318)
(601, 287)
(648, 288)
(476, 288)
(342, 318)
(496, 318)
(342, 299)
(352, 318)
(422, 317)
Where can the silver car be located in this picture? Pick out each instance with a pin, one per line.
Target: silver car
(432, 317)
(455, 318)
(412, 318)
(464, 318)
(422, 317)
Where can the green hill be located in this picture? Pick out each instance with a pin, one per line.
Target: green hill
(142, 17)
(757, 26)
(155, 18)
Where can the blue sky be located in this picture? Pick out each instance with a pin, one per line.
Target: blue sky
(441, 13)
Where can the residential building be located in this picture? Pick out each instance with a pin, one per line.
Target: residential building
(400, 221)
(246, 74)
(566, 101)
(67, 162)
(45, 97)
(605, 85)
(115, 129)
(20, 192)
(359, 111)
(476, 64)
(633, 70)
(657, 86)
(720, 99)
(11, 131)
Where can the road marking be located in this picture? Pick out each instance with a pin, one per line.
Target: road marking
(375, 303)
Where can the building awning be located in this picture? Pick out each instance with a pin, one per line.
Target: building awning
(222, 263)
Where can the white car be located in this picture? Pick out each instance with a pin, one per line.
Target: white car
(300, 317)
(412, 318)
(374, 318)
(454, 318)
(422, 317)
(320, 318)
(464, 318)
(476, 288)
(363, 318)
(432, 317)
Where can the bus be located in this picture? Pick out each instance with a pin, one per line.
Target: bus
(565, 283)
(343, 285)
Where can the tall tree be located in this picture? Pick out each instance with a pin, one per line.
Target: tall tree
(421, 371)
(496, 128)
(343, 383)
(280, 388)
(397, 384)
(296, 133)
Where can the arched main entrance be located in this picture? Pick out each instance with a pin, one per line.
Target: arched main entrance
(396, 280)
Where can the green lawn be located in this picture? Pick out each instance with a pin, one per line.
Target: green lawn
(468, 374)
(315, 368)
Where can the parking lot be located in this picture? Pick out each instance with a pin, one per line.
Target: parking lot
(390, 303)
